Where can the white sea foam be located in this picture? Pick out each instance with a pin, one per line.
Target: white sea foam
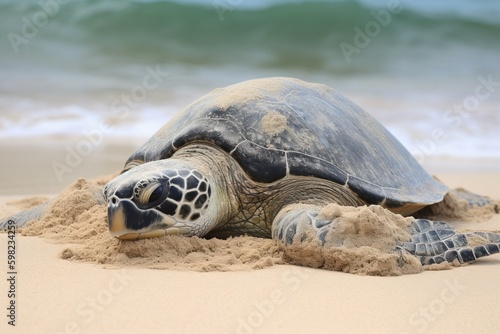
(477, 136)
(73, 121)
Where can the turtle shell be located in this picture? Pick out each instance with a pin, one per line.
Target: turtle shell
(277, 127)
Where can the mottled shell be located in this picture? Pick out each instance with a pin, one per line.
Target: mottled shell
(277, 127)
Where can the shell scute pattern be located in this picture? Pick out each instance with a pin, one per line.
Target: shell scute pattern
(286, 127)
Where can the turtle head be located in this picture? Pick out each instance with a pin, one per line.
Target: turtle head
(158, 198)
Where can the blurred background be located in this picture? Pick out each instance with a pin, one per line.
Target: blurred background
(99, 77)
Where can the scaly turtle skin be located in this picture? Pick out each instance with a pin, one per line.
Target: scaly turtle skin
(262, 158)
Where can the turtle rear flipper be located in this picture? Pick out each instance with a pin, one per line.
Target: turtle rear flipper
(471, 198)
(435, 242)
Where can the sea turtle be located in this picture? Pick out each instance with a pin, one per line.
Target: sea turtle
(262, 157)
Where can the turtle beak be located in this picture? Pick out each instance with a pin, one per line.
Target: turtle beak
(116, 220)
(127, 222)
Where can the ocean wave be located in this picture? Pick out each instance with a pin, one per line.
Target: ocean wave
(62, 76)
(281, 34)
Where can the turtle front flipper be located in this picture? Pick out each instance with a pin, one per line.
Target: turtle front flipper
(357, 240)
(80, 195)
(297, 222)
(436, 242)
(23, 218)
(370, 234)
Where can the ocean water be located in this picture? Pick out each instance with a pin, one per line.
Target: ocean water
(428, 70)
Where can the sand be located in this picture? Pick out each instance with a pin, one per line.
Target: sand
(360, 241)
(73, 278)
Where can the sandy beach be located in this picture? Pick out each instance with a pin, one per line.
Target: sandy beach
(56, 295)
(86, 83)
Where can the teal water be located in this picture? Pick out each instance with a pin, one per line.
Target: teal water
(68, 66)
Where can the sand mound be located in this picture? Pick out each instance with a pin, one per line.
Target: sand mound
(361, 240)
(78, 219)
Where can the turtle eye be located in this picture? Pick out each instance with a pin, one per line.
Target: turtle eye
(156, 194)
(151, 193)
